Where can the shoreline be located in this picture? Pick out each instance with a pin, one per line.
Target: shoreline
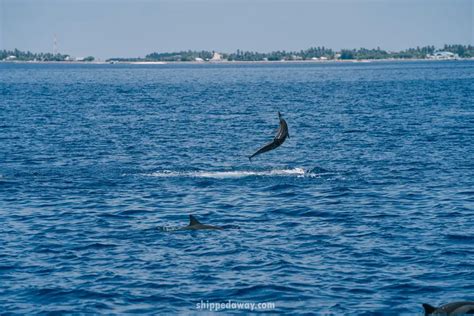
(227, 62)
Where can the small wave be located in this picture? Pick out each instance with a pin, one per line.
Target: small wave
(280, 187)
(461, 238)
(132, 212)
(295, 172)
(94, 246)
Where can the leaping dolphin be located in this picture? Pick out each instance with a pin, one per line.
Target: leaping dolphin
(194, 224)
(280, 137)
(451, 309)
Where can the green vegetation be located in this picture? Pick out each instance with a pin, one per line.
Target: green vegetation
(89, 58)
(308, 54)
(321, 53)
(364, 53)
(29, 56)
(239, 55)
(245, 56)
(464, 51)
(180, 56)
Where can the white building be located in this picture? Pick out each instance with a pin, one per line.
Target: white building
(216, 57)
(320, 58)
(443, 56)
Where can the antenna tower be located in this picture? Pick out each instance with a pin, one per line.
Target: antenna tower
(55, 45)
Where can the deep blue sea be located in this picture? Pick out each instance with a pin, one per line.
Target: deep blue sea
(367, 209)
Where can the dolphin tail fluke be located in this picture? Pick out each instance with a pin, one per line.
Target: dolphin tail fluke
(250, 158)
(429, 309)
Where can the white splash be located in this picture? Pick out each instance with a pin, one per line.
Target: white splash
(296, 172)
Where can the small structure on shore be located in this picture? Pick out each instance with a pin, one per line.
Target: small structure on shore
(216, 57)
(443, 56)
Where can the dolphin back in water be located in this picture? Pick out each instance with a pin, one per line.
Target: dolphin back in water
(194, 224)
(451, 309)
(279, 139)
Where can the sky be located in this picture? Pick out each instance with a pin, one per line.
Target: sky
(134, 28)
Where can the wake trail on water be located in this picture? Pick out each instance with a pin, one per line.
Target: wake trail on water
(294, 172)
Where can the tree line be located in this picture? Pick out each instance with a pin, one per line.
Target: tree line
(29, 56)
(463, 51)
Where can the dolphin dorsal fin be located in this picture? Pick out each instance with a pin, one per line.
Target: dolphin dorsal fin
(429, 309)
(193, 221)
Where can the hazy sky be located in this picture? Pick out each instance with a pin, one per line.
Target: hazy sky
(127, 28)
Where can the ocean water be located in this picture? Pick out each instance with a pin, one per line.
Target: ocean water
(367, 209)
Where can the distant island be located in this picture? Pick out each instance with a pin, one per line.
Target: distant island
(311, 54)
(18, 55)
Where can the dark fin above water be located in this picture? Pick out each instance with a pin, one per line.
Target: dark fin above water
(193, 221)
(429, 309)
